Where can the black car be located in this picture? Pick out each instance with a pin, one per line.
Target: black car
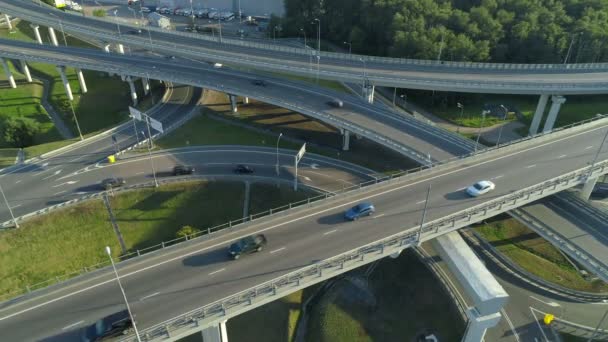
(108, 328)
(249, 244)
(114, 182)
(171, 57)
(243, 169)
(183, 170)
(336, 103)
(138, 31)
(261, 83)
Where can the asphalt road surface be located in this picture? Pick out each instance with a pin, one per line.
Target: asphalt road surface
(200, 273)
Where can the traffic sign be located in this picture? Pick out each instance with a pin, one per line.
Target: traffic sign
(157, 125)
(300, 153)
(135, 113)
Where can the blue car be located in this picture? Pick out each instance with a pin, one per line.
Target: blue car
(361, 209)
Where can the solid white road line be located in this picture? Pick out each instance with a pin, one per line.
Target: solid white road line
(497, 177)
(277, 250)
(71, 325)
(420, 202)
(426, 179)
(537, 323)
(562, 156)
(378, 216)
(329, 232)
(218, 271)
(530, 166)
(148, 296)
(59, 193)
(588, 147)
(15, 206)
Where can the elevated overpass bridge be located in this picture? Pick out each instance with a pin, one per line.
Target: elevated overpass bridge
(544, 79)
(316, 255)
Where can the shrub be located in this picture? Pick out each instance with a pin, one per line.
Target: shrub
(20, 131)
(99, 12)
(186, 231)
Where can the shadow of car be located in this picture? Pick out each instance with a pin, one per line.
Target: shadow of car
(183, 170)
(243, 169)
(108, 328)
(113, 182)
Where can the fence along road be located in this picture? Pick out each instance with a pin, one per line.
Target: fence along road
(200, 273)
(442, 76)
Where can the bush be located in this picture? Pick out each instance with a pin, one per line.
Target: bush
(186, 231)
(20, 131)
(99, 12)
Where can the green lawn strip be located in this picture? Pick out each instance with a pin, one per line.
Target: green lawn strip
(7, 156)
(266, 196)
(65, 241)
(408, 301)
(535, 254)
(205, 131)
(576, 108)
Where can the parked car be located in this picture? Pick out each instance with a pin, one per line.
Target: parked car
(108, 328)
(113, 182)
(336, 103)
(260, 83)
(243, 169)
(480, 188)
(183, 170)
(247, 245)
(361, 209)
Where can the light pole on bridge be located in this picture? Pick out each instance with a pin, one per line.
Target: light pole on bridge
(483, 118)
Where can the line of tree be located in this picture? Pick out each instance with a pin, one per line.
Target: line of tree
(525, 31)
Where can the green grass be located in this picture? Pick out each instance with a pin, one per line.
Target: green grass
(270, 197)
(535, 254)
(204, 131)
(7, 156)
(408, 301)
(576, 108)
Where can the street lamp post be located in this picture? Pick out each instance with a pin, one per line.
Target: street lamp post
(350, 47)
(150, 150)
(75, 120)
(274, 34)
(570, 47)
(318, 36)
(483, 118)
(394, 96)
(124, 296)
(461, 106)
(277, 166)
(65, 42)
(597, 154)
(10, 210)
(504, 118)
(117, 23)
(318, 67)
(240, 13)
(304, 33)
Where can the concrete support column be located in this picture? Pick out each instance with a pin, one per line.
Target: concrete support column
(8, 22)
(133, 90)
(66, 84)
(345, 140)
(246, 100)
(106, 48)
(478, 325)
(556, 103)
(146, 85)
(215, 333)
(36, 29)
(585, 192)
(83, 84)
(53, 36)
(233, 103)
(26, 71)
(9, 75)
(538, 114)
(120, 48)
(368, 93)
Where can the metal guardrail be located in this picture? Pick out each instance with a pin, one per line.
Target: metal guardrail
(354, 58)
(242, 301)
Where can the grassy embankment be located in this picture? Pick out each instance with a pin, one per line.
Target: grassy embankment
(68, 240)
(535, 254)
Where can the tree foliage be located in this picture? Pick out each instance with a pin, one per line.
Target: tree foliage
(526, 31)
(99, 12)
(186, 231)
(20, 131)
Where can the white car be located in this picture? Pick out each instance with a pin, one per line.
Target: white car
(480, 188)
(217, 65)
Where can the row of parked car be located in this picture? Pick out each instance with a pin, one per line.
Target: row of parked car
(210, 13)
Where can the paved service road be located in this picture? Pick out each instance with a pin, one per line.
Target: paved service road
(43, 182)
(200, 272)
(432, 77)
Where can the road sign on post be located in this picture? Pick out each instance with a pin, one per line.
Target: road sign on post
(297, 158)
(157, 125)
(136, 114)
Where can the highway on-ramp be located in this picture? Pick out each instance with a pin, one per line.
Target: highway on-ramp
(200, 273)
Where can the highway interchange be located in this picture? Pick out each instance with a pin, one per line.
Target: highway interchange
(94, 174)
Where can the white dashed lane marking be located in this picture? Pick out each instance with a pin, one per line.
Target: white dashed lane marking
(277, 250)
(530, 166)
(148, 296)
(71, 325)
(218, 271)
(329, 232)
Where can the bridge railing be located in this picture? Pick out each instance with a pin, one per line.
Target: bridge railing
(352, 58)
(242, 301)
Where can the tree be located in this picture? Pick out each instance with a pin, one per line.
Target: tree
(99, 12)
(20, 131)
(186, 231)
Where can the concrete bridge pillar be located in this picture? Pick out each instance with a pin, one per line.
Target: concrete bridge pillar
(585, 192)
(26, 71)
(345, 139)
(120, 48)
(106, 48)
(215, 333)
(478, 325)
(66, 83)
(246, 100)
(538, 114)
(368, 92)
(53, 36)
(9, 74)
(8, 22)
(36, 29)
(233, 106)
(83, 84)
(146, 85)
(133, 89)
(556, 103)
